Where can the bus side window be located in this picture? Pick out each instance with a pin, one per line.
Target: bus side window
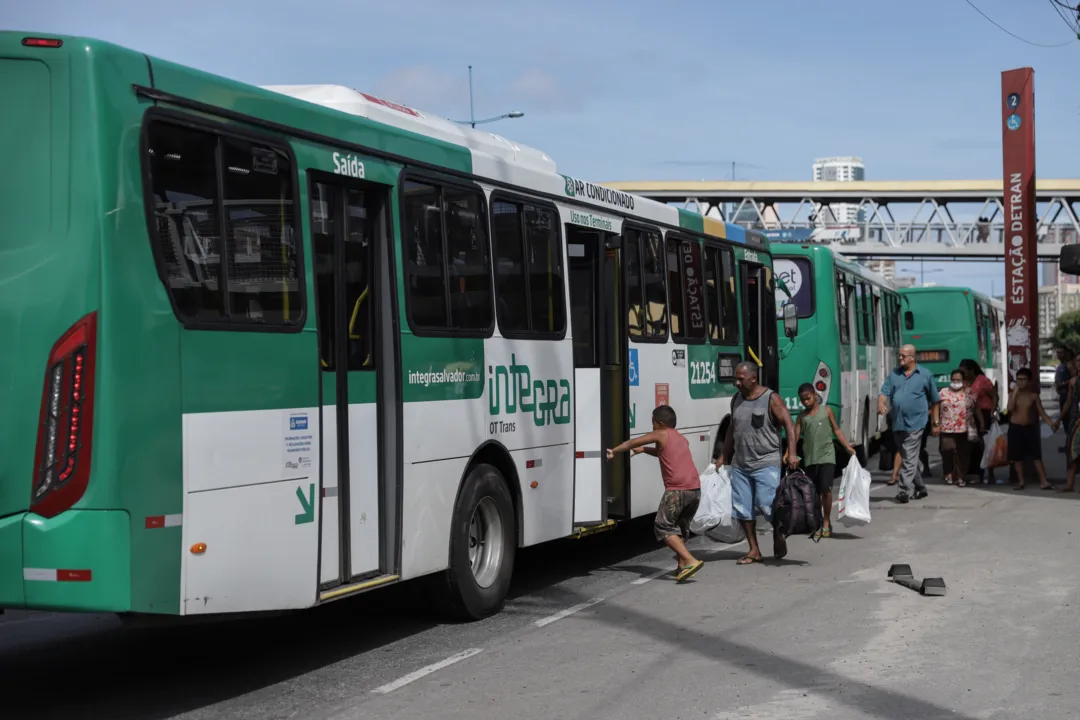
(860, 314)
(723, 310)
(447, 268)
(842, 319)
(223, 229)
(869, 314)
(528, 269)
(685, 301)
(654, 275)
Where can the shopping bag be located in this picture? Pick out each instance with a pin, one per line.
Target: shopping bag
(716, 499)
(1000, 457)
(710, 508)
(854, 497)
(990, 446)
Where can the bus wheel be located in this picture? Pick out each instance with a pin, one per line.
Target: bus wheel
(862, 450)
(482, 543)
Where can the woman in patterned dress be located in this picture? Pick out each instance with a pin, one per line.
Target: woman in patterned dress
(957, 407)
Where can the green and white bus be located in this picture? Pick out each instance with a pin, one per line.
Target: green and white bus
(270, 347)
(848, 336)
(948, 324)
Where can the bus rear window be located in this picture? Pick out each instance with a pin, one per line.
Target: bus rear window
(797, 275)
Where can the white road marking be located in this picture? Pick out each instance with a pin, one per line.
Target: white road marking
(567, 612)
(647, 578)
(413, 676)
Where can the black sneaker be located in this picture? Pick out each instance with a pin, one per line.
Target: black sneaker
(920, 494)
(902, 497)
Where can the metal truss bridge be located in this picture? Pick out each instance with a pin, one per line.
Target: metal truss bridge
(858, 219)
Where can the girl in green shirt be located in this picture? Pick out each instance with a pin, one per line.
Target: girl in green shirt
(817, 427)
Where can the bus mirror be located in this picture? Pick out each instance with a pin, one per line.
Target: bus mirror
(909, 319)
(791, 320)
(1069, 262)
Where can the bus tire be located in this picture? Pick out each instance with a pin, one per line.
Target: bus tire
(862, 450)
(482, 544)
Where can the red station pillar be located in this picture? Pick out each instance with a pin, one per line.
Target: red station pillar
(1021, 253)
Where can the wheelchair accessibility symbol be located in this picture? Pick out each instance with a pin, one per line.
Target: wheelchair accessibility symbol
(632, 370)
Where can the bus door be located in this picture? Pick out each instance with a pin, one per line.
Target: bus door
(597, 317)
(357, 370)
(877, 367)
(754, 297)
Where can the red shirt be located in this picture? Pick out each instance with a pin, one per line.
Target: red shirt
(982, 389)
(677, 464)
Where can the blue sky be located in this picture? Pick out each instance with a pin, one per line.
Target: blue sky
(628, 90)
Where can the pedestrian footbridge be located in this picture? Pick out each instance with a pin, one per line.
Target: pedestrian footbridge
(931, 219)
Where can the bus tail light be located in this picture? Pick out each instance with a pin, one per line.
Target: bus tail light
(42, 42)
(824, 381)
(62, 455)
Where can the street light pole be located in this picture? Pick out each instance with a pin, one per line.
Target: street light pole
(472, 121)
(472, 113)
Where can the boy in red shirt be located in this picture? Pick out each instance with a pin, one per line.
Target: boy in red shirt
(682, 485)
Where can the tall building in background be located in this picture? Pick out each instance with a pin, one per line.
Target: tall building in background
(841, 169)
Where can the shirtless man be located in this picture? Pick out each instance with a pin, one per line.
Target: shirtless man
(1025, 440)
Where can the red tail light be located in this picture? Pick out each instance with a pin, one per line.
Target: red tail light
(820, 386)
(42, 42)
(62, 457)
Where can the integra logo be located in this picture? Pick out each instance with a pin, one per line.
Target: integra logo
(511, 389)
(592, 191)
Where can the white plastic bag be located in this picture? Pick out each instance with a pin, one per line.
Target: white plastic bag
(713, 517)
(991, 441)
(711, 508)
(854, 499)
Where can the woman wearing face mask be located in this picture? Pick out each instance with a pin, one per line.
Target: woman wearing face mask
(957, 410)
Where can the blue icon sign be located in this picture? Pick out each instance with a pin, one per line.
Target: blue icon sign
(632, 370)
(1013, 122)
(298, 422)
(1013, 101)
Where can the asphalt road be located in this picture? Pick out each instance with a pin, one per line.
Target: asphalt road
(596, 629)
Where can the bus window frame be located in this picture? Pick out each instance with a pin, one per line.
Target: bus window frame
(643, 228)
(522, 200)
(981, 318)
(720, 249)
(442, 181)
(222, 130)
(843, 306)
(679, 238)
(869, 317)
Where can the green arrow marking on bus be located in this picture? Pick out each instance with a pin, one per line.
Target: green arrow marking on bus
(308, 503)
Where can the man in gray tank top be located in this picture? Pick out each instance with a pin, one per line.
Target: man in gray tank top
(752, 450)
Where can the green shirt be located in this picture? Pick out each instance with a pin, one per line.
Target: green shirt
(817, 438)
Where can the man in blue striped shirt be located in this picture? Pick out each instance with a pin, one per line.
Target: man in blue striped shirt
(912, 393)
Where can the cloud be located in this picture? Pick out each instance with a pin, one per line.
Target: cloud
(540, 92)
(425, 87)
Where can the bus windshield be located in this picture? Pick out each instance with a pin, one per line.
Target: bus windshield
(797, 274)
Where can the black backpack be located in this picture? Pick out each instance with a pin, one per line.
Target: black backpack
(797, 508)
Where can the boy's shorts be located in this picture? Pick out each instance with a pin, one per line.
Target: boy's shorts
(677, 509)
(753, 490)
(1025, 442)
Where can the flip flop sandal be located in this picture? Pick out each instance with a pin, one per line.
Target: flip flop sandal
(688, 571)
(747, 560)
